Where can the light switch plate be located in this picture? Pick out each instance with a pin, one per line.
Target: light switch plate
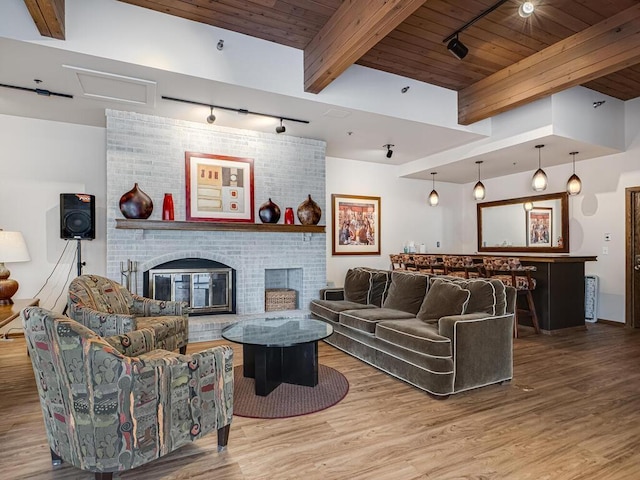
(605, 250)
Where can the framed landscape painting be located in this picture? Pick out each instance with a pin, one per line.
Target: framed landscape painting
(219, 188)
(356, 225)
(539, 226)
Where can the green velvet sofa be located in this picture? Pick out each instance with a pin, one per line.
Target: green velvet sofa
(442, 334)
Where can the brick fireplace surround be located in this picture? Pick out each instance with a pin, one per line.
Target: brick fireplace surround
(151, 150)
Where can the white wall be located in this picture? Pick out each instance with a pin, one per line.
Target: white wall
(599, 209)
(405, 213)
(39, 160)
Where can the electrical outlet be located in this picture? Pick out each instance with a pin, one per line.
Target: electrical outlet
(605, 250)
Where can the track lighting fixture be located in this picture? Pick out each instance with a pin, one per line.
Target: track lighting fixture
(539, 180)
(211, 118)
(454, 45)
(388, 147)
(434, 198)
(457, 48)
(39, 91)
(479, 191)
(242, 111)
(574, 184)
(526, 9)
(281, 128)
(220, 44)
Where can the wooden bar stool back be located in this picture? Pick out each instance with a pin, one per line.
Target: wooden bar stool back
(511, 272)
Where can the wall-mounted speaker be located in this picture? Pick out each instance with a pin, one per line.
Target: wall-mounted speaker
(77, 216)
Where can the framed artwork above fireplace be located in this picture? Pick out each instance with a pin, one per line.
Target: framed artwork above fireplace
(218, 188)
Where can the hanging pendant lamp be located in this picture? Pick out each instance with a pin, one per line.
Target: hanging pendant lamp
(574, 184)
(479, 191)
(539, 181)
(434, 198)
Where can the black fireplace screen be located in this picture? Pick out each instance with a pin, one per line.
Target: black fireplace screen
(206, 290)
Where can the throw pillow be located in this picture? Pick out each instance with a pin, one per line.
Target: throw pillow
(487, 295)
(407, 291)
(356, 285)
(443, 299)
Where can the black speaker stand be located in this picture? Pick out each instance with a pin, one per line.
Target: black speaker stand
(79, 254)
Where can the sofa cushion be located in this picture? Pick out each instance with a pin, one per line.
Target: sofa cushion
(330, 309)
(366, 319)
(407, 291)
(444, 298)
(415, 335)
(365, 285)
(487, 295)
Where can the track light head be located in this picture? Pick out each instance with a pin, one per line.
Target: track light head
(220, 44)
(281, 128)
(457, 48)
(388, 147)
(526, 9)
(211, 118)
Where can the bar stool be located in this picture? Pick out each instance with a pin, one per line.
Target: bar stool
(408, 261)
(461, 266)
(429, 264)
(396, 262)
(511, 272)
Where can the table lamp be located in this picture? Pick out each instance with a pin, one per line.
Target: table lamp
(12, 249)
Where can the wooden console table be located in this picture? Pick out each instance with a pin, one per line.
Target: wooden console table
(8, 313)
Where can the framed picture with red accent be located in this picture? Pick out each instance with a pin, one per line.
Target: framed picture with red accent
(219, 188)
(356, 225)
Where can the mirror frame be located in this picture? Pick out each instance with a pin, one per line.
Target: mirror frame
(564, 207)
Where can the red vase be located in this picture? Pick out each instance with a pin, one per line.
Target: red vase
(288, 216)
(167, 207)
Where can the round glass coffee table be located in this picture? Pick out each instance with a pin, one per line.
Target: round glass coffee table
(279, 350)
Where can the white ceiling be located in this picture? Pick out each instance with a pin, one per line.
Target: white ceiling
(99, 83)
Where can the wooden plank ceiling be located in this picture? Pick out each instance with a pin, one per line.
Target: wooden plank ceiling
(407, 40)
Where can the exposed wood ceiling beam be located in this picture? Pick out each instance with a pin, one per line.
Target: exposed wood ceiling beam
(48, 16)
(599, 50)
(355, 27)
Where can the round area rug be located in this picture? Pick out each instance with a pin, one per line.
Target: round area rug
(288, 400)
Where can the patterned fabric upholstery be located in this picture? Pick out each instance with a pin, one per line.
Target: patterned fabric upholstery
(460, 266)
(111, 311)
(510, 271)
(430, 264)
(106, 412)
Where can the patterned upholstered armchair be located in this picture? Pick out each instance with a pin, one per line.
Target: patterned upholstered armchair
(130, 323)
(105, 412)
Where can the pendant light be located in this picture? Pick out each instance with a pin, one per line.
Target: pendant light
(479, 191)
(539, 181)
(434, 198)
(574, 184)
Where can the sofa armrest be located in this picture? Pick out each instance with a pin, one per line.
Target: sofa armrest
(148, 307)
(482, 348)
(104, 324)
(336, 293)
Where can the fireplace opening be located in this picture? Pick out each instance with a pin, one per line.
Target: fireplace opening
(207, 286)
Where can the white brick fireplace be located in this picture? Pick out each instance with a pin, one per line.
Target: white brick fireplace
(151, 150)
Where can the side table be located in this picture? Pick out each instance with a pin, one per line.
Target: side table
(9, 313)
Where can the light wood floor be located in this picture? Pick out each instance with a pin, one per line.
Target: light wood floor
(571, 412)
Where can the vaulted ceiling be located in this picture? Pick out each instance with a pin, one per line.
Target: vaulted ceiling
(512, 60)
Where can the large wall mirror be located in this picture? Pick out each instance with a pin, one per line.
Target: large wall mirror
(526, 224)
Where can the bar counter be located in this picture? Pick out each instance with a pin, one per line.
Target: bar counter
(559, 292)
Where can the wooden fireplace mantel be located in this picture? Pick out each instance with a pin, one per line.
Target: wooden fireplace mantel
(127, 224)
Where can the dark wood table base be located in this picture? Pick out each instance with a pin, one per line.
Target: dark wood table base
(271, 366)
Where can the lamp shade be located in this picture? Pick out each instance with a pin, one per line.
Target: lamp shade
(13, 247)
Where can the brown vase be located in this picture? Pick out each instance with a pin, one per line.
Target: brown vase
(136, 204)
(269, 212)
(309, 212)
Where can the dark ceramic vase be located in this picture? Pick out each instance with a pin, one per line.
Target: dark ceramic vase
(136, 204)
(309, 212)
(269, 212)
